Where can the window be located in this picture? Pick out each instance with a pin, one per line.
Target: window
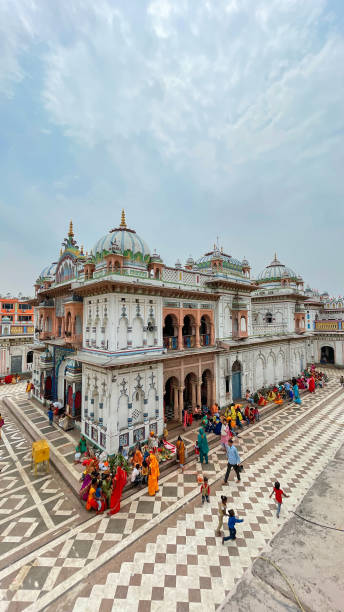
(24, 306)
(7, 306)
(227, 384)
(24, 318)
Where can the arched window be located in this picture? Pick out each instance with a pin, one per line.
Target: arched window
(268, 317)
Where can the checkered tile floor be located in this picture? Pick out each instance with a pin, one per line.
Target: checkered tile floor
(181, 562)
(31, 507)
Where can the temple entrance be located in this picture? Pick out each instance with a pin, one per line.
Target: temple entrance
(171, 399)
(206, 388)
(327, 354)
(47, 388)
(236, 380)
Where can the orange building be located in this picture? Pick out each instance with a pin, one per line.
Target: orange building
(16, 333)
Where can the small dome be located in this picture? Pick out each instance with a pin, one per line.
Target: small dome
(190, 261)
(275, 271)
(73, 366)
(178, 264)
(228, 260)
(48, 272)
(245, 263)
(155, 257)
(126, 241)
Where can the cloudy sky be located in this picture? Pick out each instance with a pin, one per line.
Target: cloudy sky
(202, 118)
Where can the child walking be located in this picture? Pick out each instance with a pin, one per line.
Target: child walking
(205, 490)
(278, 497)
(231, 526)
(222, 513)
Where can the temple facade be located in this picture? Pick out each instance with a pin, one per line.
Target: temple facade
(126, 342)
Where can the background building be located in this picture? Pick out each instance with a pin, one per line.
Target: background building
(16, 335)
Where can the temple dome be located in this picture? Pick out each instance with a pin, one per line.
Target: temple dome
(122, 240)
(276, 271)
(48, 272)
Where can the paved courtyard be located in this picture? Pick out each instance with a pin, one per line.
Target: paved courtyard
(156, 553)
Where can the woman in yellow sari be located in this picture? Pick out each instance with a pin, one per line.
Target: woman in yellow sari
(153, 475)
(271, 396)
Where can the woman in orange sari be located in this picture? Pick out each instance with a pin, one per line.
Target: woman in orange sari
(137, 457)
(91, 502)
(118, 484)
(180, 452)
(278, 399)
(153, 476)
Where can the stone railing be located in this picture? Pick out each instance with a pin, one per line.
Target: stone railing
(269, 329)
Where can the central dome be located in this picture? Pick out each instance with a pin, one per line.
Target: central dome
(276, 271)
(125, 241)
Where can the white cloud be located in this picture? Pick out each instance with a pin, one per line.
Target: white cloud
(238, 103)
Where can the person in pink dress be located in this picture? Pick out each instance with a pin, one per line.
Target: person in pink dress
(226, 433)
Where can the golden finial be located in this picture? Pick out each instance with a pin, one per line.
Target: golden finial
(60, 252)
(82, 249)
(123, 223)
(71, 233)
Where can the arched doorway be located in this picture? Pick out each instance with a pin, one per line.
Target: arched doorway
(236, 380)
(170, 332)
(171, 399)
(204, 331)
(190, 391)
(206, 388)
(327, 354)
(188, 332)
(29, 357)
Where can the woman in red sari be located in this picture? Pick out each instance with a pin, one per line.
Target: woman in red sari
(311, 385)
(118, 484)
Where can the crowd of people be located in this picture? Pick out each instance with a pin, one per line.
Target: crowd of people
(103, 478)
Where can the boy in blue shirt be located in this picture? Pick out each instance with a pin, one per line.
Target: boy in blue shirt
(232, 519)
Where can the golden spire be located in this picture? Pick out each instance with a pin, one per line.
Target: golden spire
(123, 223)
(82, 249)
(61, 252)
(71, 233)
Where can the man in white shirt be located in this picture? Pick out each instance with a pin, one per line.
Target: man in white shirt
(136, 475)
(233, 461)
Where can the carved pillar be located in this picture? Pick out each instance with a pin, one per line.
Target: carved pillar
(181, 403)
(213, 385)
(193, 394)
(175, 404)
(180, 337)
(208, 383)
(198, 322)
(198, 391)
(212, 333)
